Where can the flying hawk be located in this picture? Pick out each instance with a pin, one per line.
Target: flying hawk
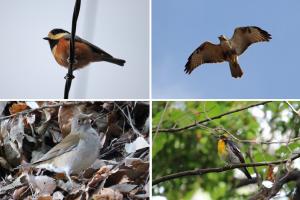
(228, 49)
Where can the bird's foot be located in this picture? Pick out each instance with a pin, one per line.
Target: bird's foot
(75, 60)
(69, 76)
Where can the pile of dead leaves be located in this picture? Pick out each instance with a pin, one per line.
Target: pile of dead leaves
(29, 129)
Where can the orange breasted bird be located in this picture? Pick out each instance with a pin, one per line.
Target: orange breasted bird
(85, 52)
(230, 153)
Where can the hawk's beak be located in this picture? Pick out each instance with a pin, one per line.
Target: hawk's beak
(46, 38)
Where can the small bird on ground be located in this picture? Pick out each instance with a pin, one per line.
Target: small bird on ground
(85, 52)
(76, 152)
(228, 49)
(230, 153)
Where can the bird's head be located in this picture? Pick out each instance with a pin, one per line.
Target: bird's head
(223, 137)
(222, 38)
(81, 122)
(54, 36)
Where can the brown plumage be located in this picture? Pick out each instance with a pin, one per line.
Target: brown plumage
(228, 49)
(85, 52)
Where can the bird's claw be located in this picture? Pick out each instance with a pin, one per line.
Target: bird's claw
(69, 77)
(69, 60)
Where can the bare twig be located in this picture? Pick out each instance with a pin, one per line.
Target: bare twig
(289, 141)
(293, 109)
(198, 172)
(258, 177)
(160, 121)
(69, 77)
(172, 130)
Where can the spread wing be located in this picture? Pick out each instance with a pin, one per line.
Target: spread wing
(243, 37)
(206, 53)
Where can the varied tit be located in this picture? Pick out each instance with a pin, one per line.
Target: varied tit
(85, 52)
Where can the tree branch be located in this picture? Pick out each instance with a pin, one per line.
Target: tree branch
(267, 193)
(219, 169)
(69, 77)
(172, 130)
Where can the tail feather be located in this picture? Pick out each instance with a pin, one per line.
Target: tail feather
(246, 172)
(115, 61)
(236, 70)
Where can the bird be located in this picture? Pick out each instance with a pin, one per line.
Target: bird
(85, 52)
(228, 50)
(76, 152)
(230, 153)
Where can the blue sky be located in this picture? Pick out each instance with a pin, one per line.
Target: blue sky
(271, 70)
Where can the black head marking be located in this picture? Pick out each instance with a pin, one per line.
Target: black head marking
(57, 31)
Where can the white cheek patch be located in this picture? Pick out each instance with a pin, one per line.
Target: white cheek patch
(57, 36)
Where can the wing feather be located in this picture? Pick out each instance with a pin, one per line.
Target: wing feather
(67, 144)
(93, 47)
(243, 37)
(205, 53)
(236, 151)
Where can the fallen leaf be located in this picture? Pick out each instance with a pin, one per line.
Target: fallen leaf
(108, 194)
(17, 107)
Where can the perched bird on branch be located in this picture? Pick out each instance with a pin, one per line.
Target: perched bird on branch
(228, 49)
(230, 153)
(85, 52)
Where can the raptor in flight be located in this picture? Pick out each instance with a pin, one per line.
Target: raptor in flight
(228, 49)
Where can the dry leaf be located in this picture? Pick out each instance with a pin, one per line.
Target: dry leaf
(43, 185)
(108, 194)
(17, 107)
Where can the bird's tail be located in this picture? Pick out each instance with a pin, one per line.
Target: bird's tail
(114, 60)
(235, 69)
(246, 172)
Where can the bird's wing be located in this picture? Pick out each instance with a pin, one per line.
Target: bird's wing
(66, 145)
(243, 37)
(93, 47)
(236, 151)
(205, 53)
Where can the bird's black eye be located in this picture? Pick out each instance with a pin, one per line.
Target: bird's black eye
(79, 121)
(91, 121)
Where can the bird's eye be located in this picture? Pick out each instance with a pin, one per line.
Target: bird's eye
(79, 121)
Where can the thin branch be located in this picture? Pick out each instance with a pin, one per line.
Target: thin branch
(24, 112)
(198, 172)
(258, 177)
(160, 121)
(172, 130)
(289, 141)
(293, 109)
(69, 77)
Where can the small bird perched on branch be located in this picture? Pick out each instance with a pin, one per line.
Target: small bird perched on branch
(230, 153)
(228, 49)
(85, 52)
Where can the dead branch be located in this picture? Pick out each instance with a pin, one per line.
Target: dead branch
(173, 130)
(200, 172)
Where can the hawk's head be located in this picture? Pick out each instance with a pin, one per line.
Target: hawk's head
(222, 38)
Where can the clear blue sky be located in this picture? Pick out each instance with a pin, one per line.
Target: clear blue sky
(271, 70)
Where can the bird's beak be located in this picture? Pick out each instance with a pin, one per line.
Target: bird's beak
(46, 38)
